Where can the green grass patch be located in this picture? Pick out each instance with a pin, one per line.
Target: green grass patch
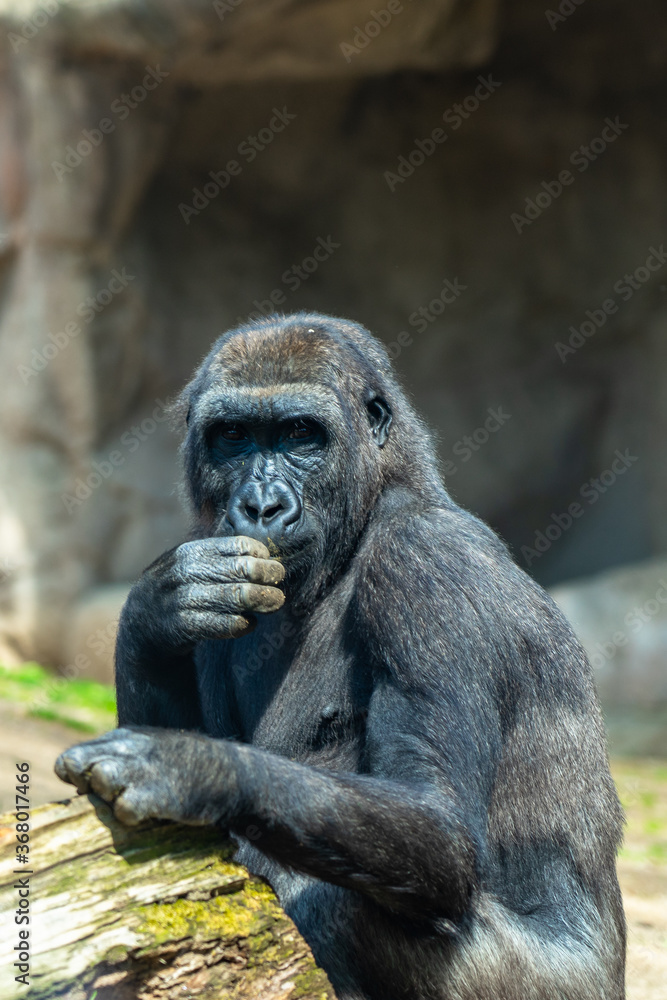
(642, 786)
(82, 704)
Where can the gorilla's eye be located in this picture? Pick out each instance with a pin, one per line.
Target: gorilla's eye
(301, 430)
(232, 432)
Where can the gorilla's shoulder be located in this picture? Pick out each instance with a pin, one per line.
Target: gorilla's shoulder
(440, 557)
(432, 531)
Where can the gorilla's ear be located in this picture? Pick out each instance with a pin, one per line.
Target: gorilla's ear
(379, 417)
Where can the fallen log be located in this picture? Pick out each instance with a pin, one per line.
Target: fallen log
(157, 912)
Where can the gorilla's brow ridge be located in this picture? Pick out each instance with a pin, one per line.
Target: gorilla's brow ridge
(279, 400)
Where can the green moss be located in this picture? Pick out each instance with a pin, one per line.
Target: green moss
(66, 883)
(228, 917)
(258, 944)
(307, 983)
(259, 891)
(202, 845)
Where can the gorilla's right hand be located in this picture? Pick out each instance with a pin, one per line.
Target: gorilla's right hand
(209, 588)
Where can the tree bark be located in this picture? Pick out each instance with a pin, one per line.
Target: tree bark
(151, 913)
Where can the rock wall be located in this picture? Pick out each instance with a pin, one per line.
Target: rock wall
(483, 186)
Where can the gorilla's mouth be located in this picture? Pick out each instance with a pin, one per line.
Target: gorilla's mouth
(290, 550)
(289, 547)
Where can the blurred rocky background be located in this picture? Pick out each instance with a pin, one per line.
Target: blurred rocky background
(483, 184)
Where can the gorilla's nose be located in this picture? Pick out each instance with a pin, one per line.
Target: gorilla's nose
(260, 508)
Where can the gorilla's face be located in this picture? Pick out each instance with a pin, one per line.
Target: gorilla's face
(270, 462)
(284, 445)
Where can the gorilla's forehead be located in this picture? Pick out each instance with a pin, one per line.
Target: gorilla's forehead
(277, 372)
(279, 356)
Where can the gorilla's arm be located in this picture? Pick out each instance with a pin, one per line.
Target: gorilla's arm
(404, 845)
(409, 833)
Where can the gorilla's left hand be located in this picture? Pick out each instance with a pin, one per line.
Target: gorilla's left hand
(150, 773)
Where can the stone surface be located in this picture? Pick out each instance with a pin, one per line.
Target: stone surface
(214, 42)
(91, 634)
(621, 619)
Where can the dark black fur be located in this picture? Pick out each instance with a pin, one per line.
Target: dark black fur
(410, 747)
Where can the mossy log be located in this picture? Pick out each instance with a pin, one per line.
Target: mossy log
(151, 913)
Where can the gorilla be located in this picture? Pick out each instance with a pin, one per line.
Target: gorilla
(349, 673)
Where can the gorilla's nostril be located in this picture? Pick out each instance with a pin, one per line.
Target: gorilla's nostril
(272, 511)
(252, 513)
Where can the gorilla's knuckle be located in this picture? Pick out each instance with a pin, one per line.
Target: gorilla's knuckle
(186, 557)
(186, 598)
(105, 778)
(183, 620)
(129, 811)
(238, 595)
(237, 567)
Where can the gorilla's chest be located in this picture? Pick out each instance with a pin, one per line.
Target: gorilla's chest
(304, 697)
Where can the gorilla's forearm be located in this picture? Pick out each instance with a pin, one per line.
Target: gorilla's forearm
(405, 847)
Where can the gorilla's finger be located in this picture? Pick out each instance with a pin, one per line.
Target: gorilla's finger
(61, 769)
(231, 598)
(254, 570)
(213, 625)
(72, 769)
(106, 780)
(241, 545)
(130, 808)
(243, 597)
(230, 569)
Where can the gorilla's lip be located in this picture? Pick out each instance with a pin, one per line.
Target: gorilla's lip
(287, 553)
